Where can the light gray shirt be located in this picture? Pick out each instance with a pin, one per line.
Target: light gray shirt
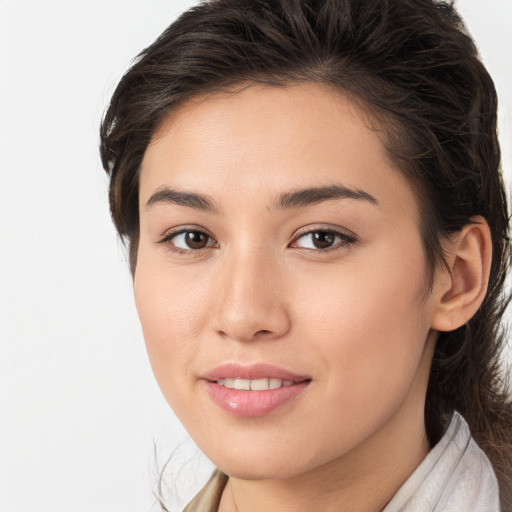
(456, 476)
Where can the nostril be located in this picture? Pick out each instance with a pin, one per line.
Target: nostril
(262, 332)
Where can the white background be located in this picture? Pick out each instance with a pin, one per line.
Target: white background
(79, 409)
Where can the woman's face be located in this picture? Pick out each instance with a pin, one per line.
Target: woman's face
(280, 251)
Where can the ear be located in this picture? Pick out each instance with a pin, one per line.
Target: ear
(460, 288)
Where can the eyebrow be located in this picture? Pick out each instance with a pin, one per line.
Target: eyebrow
(288, 200)
(314, 195)
(180, 198)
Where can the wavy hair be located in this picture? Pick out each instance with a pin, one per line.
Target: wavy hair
(415, 71)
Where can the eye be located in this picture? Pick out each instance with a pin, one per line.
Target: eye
(188, 240)
(323, 239)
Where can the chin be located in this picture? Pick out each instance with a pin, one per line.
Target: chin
(251, 471)
(260, 464)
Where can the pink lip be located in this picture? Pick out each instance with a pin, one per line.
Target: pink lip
(252, 404)
(253, 371)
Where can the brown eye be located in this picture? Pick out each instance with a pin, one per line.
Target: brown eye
(323, 239)
(196, 239)
(189, 240)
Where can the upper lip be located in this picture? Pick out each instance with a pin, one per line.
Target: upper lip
(251, 372)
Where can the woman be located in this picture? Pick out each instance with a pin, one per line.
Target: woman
(317, 231)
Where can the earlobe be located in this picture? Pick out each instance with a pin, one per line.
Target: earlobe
(460, 289)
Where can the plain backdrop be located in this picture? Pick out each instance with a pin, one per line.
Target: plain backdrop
(83, 426)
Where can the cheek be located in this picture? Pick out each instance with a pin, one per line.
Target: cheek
(371, 330)
(383, 291)
(169, 308)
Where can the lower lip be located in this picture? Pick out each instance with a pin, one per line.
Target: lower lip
(252, 404)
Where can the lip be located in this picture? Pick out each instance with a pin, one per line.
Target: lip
(252, 404)
(253, 371)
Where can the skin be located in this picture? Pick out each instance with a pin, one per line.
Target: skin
(355, 318)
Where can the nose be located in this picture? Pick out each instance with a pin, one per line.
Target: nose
(251, 302)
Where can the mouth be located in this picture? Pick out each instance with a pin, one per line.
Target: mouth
(255, 390)
(255, 384)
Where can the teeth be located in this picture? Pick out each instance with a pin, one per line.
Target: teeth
(275, 383)
(242, 384)
(259, 384)
(229, 383)
(255, 385)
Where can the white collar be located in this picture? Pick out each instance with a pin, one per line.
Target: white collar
(456, 476)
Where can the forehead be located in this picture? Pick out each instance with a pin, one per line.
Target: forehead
(255, 112)
(265, 138)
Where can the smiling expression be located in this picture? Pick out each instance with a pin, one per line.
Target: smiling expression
(281, 279)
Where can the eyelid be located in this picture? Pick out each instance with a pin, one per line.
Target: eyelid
(348, 237)
(167, 237)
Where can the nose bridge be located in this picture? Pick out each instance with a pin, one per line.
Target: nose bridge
(251, 303)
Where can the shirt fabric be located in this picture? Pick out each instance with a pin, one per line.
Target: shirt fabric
(455, 476)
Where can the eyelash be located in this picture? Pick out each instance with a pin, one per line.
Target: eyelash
(167, 239)
(346, 240)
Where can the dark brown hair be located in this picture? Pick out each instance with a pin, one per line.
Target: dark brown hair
(415, 70)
